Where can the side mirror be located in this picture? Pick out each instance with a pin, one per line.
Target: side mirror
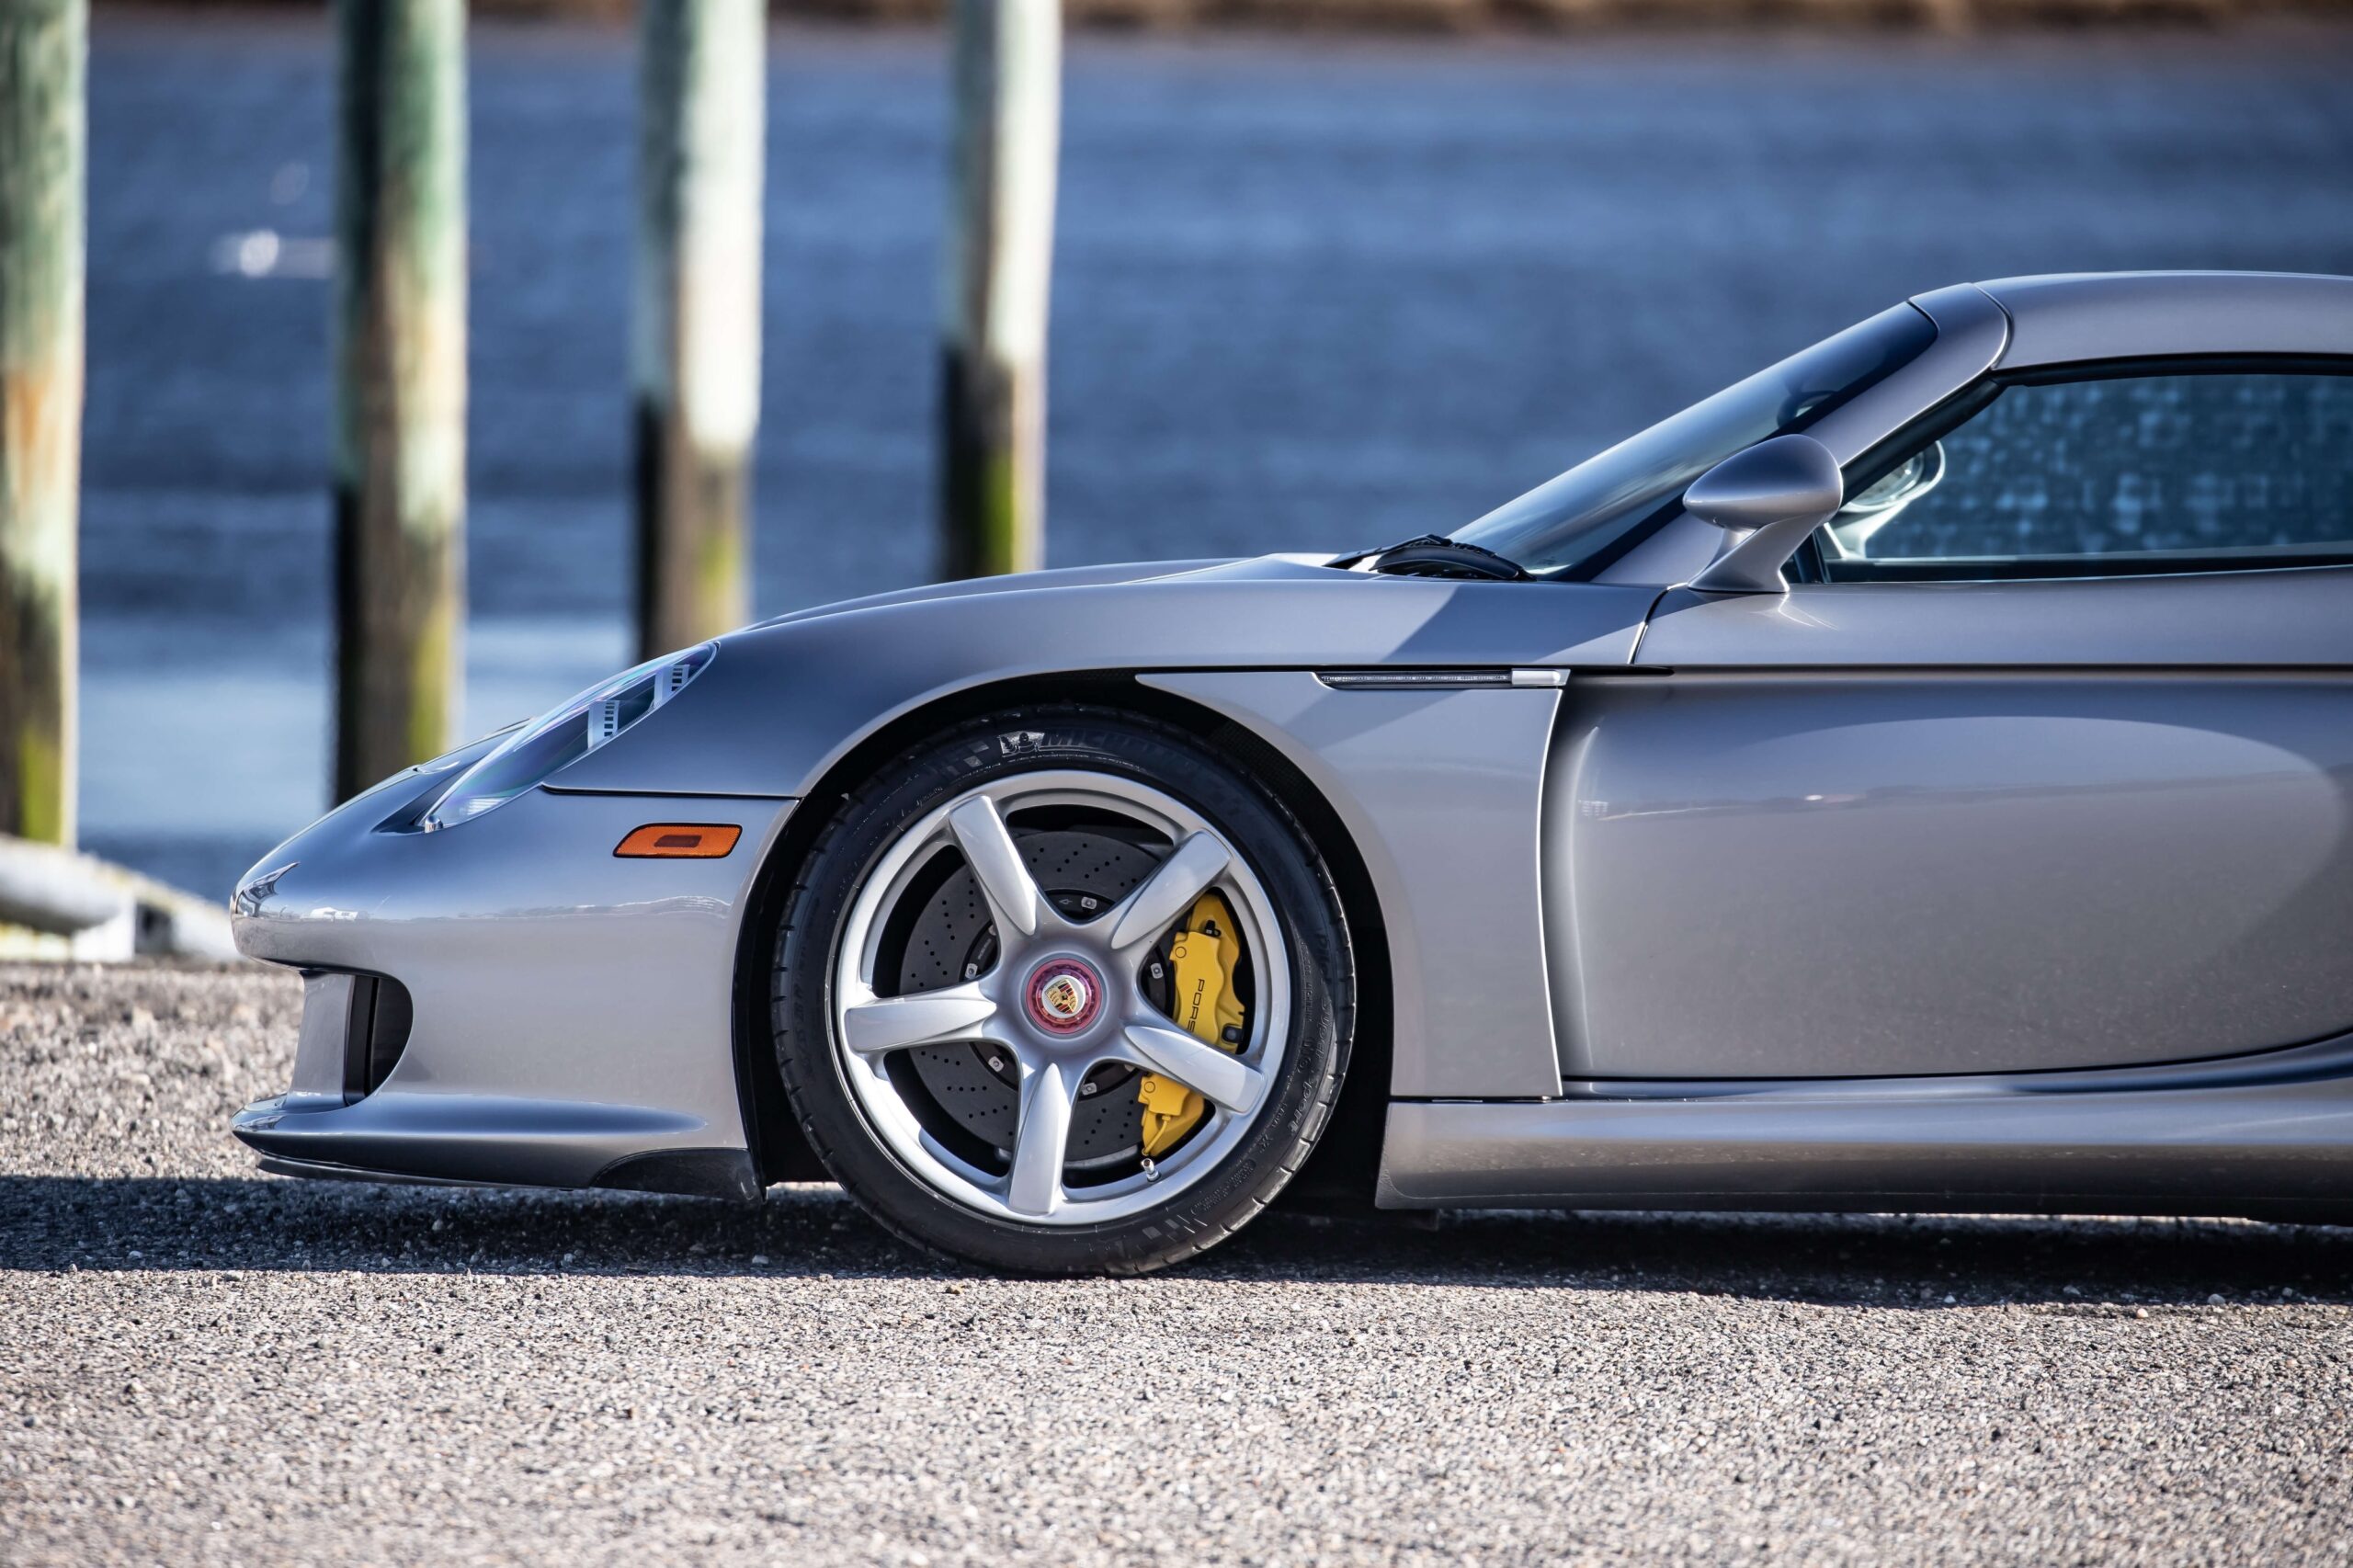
(1769, 497)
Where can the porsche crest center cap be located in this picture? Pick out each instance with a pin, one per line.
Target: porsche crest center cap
(1064, 995)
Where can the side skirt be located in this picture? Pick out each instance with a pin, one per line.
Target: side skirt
(2268, 1137)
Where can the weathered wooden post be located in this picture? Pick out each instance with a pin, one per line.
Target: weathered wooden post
(399, 304)
(696, 343)
(999, 267)
(43, 65)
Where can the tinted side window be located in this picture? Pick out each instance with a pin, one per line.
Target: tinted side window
(2152, 468)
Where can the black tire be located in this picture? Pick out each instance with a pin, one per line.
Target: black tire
(1299, 1102)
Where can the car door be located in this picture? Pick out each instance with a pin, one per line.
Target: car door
(2048, 763)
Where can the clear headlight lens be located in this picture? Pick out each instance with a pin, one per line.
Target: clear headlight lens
(564, 735)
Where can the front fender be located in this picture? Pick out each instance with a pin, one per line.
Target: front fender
(785, 700)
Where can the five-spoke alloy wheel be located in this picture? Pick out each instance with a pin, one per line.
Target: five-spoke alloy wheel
(1062, 991)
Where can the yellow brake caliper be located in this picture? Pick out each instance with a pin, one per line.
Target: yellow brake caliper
(1203, 956)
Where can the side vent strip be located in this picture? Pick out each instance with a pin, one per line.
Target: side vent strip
(1413, 680)
(1441, 681)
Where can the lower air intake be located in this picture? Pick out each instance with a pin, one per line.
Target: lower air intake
(375, 1033)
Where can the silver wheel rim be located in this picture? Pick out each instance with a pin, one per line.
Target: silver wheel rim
(1003, 1007)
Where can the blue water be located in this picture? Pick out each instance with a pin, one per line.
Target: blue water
(1308, 294)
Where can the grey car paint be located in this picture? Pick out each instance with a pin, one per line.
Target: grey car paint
(821, 684)
(2122, 801)
(1808, 874)
(2269, 1141)
(2071, 318)
(1440, 792)
(572, 1009)
(1505, 830)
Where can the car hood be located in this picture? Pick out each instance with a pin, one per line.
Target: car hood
(1026, 581)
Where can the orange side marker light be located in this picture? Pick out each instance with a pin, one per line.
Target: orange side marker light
(679, 841)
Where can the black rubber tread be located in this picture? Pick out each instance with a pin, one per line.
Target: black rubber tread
(1020, 740)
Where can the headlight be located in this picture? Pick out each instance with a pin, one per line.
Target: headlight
(564, 735)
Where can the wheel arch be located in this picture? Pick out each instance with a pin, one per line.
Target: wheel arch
(1341, 1171)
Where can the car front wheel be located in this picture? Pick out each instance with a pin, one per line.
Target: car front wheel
(1062, 991)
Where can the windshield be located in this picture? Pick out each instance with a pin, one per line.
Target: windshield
(1568, 519)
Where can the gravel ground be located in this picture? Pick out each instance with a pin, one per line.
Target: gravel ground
(204, 1364)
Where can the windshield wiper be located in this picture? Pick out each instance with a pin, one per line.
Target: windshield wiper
(1434, 555)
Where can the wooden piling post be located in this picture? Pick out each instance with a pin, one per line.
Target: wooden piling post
(695, 339)
(999, 267)
(400, 318)
(43, 65)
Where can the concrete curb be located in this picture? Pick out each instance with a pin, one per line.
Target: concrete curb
(57, 904)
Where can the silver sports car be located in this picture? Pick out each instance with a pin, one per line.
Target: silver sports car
(1920, 777)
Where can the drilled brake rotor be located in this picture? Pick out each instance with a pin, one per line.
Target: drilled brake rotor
(949, 940)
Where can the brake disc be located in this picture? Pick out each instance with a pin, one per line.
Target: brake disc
(949, 941)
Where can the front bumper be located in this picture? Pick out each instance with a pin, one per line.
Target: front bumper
(570, 1014)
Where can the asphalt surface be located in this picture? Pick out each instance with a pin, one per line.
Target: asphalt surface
(201, 1364)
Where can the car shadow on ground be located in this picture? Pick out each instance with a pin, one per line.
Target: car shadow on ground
(55, 1223)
